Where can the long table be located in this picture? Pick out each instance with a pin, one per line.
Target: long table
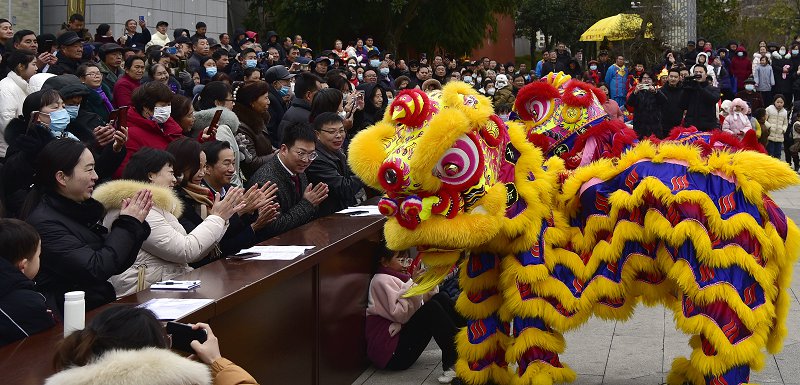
(285, 322)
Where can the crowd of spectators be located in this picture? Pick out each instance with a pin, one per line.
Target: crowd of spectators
(132, 160)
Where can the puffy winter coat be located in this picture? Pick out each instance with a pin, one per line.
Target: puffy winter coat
(151, 366)
(13, 90)
(741, 67)
(764, 78)
(80, 254)
(123, 90)
(777, 122)
(166, 253)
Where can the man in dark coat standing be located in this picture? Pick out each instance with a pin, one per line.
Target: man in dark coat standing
(700, 101)
(278, 78)
(671, 111)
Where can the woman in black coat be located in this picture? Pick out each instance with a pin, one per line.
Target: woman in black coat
(647, 101)
(78, 253)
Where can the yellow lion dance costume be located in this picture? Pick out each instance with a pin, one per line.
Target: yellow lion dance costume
(545, 246)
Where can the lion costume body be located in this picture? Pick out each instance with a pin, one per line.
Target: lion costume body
(563, 215)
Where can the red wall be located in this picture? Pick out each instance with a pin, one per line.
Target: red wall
(502, 49)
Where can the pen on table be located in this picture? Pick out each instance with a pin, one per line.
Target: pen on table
(358, 212)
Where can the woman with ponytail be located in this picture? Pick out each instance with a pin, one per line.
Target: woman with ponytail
(78, 253)
(127, 345)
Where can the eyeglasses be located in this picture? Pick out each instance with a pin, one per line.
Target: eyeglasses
(307, 156)
(93, 73)
(339, 132)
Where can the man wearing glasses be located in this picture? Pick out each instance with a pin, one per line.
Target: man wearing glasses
(298, 198)
(331, 167)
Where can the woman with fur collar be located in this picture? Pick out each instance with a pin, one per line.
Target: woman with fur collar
(127, 345)
(168, 250)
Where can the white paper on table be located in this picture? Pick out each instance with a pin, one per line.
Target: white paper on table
(360, 211)
(168, 309)
(276, 253)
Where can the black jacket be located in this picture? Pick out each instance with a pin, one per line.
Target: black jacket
(332, 169)
(299, 112)
(700, 102)
(671, 111)
(22, 309)
(80, 254)
(64, 65)
(647, 112)
(294, 211)
(277, 108)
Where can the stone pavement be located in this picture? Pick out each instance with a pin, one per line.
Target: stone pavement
(635, 352)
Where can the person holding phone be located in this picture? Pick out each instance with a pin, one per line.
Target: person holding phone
(130, 37)
(647, 102)
(125, 344)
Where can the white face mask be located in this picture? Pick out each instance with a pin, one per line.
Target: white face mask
(161, 114)
(342, 114)
(782, 51)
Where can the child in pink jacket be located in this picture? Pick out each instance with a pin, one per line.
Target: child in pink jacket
(737, 122)
(398, 329)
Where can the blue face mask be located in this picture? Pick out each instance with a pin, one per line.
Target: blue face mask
(211, 71)
(360, 77)
(72, 111)
(375, 63)
(250, 63)
(59, 119)
(384, 71)
(284, 91)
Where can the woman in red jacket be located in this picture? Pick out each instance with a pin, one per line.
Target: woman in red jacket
(741, 67)
(130, 81)
(149, 121)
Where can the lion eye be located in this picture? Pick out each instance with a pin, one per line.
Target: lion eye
(451, 170)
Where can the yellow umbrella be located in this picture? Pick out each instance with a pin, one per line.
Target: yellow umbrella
(618, 27)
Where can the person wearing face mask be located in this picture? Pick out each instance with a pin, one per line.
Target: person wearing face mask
(488, 89)
(504, 93)
(149, 121)
(750, 95)
(592, 76)
(741, 68)
(246, 59)
(280, 81)
(384, 77)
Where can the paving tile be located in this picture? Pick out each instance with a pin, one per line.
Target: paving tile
(648, 379)
(588, 347)
(645, 322)
(770, 373)
(634, 358)
(586, 379)
(789, 362)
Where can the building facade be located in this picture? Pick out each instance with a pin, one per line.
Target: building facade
(178, 13)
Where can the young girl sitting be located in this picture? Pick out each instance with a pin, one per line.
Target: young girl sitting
(398, 329)
(737, 122)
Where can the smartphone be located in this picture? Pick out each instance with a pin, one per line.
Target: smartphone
(423, 56)
(183, 335)
(244, 255)
(113, 116)
(215, 121)
(123, 117)
(32, 122)
(172, 50)
(303, 67)
(260, 54)
(141, 18)
(46, 46)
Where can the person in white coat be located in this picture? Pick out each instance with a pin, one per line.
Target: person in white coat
(14, 90)
(166, 253)
(777, 122)
(702, 59)
(160, 37)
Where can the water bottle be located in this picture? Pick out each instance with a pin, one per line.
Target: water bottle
(74, 312)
